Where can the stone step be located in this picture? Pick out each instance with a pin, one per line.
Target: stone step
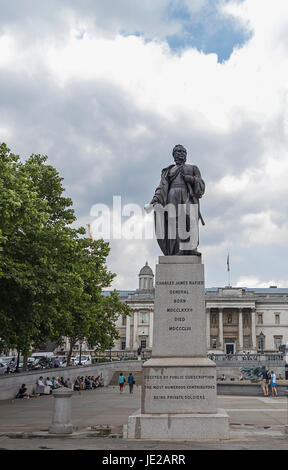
(137, 376)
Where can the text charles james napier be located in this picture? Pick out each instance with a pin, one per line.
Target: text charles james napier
(150, 459)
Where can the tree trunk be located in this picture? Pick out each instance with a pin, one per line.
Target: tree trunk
(18, 360)
(72, 342)
(25, 361)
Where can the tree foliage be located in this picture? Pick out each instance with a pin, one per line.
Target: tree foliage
(51, 276)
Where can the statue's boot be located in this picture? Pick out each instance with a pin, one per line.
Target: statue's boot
(188, 253)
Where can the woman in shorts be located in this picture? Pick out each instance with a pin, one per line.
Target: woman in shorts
(273, 384)
(121, 382)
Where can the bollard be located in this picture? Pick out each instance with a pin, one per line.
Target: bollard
(61, 412)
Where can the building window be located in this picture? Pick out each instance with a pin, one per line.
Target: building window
(261, 342)
(260, 318)
(246, 342)
(123, 343)
(76, 347)
(144, 318)
(245, 320)
(214, 343)
(143, 343)
(124, 320)
(277, 342)
(229, 318)
(213, 319)
(277, 318)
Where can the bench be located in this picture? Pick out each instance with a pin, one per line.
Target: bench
(42, 390)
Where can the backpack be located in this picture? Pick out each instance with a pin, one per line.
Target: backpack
(268, 376)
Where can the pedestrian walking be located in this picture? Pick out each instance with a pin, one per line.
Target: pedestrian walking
(56, 362)
(139, 352)
(121, 382)
(131, 382)
(265, 379)
(273, 384)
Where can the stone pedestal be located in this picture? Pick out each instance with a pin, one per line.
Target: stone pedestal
(178, 399)
(61, 418)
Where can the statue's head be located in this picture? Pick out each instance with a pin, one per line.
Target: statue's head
(179, 154)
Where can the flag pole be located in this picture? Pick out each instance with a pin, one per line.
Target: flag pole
(89, 231)
(228, 269)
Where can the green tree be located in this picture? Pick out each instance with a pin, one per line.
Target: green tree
(23, 215)
(88, 313)
(51, 277)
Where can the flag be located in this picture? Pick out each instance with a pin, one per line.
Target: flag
(89, 232)
(228, 264)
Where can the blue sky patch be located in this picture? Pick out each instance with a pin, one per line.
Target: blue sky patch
(206, 30)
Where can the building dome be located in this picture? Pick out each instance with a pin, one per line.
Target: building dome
(146, 278)
(146, 270)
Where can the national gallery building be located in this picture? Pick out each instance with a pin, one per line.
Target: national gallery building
(237, 319)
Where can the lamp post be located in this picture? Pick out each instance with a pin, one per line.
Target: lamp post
(81, 341)
(261, 341)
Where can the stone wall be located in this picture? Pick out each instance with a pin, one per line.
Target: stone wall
(234, 371)
(10, 384)
(247, 389)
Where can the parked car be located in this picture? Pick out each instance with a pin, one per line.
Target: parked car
(3, 368)
(63, 363)
(35, 363)
(7, 359)
(86, 360)
(43, 354)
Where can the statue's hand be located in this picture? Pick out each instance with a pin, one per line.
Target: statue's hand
(154, 201)
(148, 208)
(188, 178)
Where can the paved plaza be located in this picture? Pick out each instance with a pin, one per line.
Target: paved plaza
(255, 423)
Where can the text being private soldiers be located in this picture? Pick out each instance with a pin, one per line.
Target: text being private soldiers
(176, 206)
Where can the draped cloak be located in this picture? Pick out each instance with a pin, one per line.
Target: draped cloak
(168, 192)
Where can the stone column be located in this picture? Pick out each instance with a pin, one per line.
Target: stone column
(240, 331)
(221, 343)
(208, 328)
(61, 418)
(128, 322)
(135, 330)
(151, 329)
(253, 328)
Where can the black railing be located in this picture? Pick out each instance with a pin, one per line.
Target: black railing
(259, 357)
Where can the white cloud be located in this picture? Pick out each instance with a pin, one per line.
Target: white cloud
(7, 51)
(107, 106)
(251, 85)
(250, 282)
(261, 229)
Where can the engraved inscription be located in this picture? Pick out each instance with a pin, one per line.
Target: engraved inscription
(187, 387)
(179, 296)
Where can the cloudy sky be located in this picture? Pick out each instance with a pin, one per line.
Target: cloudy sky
(106, 88)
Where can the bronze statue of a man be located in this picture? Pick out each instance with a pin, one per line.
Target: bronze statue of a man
(179, 191)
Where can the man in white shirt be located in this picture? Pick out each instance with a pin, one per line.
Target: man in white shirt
(40, 382)
(49, 382)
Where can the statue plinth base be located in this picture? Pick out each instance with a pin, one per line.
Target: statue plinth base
(186, 427)
(178, 398)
